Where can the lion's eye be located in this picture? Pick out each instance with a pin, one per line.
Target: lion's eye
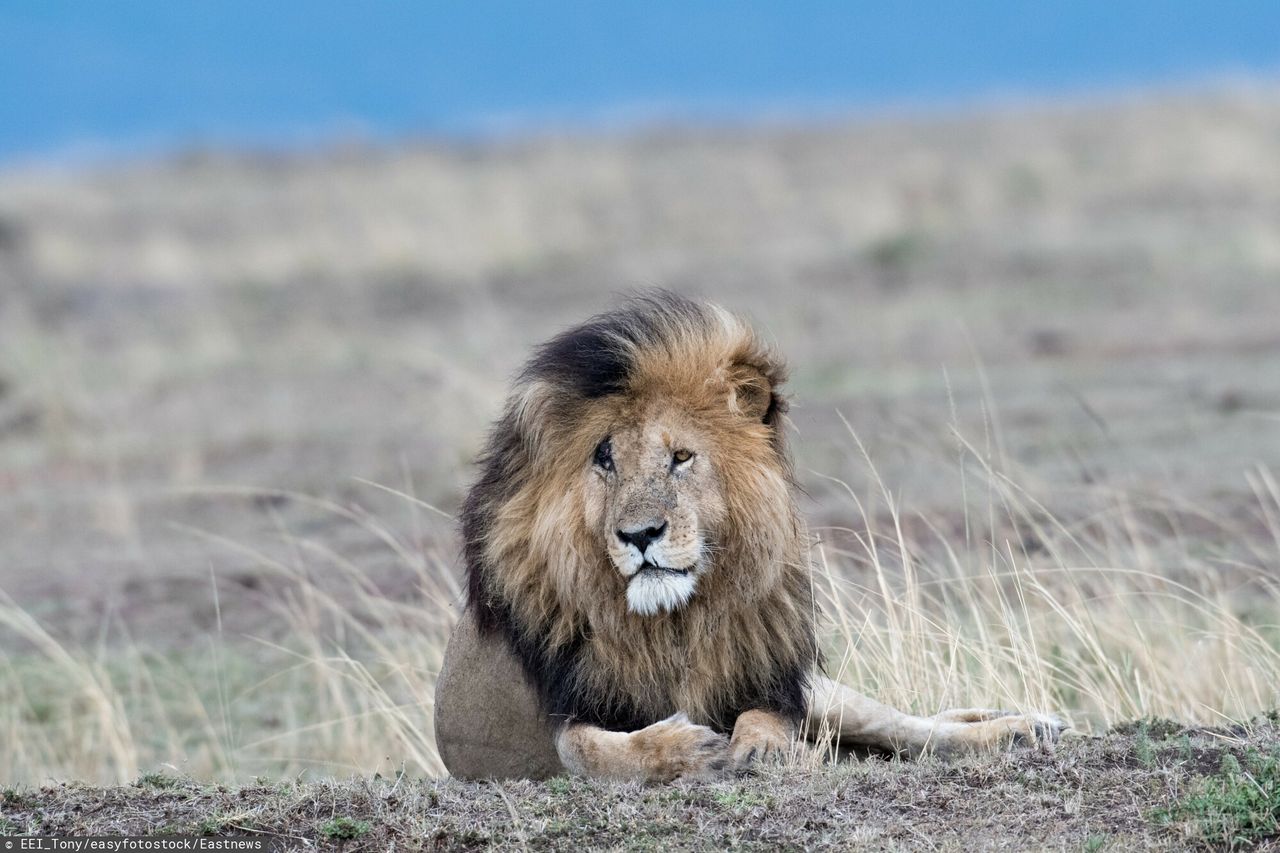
(681, 456)
(604, 455)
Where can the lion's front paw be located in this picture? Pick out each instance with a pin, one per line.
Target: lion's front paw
(990, 731)
(758, 736)
(675, 748)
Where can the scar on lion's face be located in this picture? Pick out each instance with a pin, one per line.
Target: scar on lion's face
(654, 497)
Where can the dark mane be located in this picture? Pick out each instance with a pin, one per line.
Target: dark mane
(594, 359)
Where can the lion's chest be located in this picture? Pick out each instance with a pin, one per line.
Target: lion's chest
(652, 677)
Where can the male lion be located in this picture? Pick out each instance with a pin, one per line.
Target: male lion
(638, 574)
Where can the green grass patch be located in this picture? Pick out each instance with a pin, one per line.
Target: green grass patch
(1144, 749)
(1094, 844)
(14, 797)
(344, 828)
(158, 781)
(1237, 807)
(559, 786)
(741, 799)
(214, 824)
(1155, 728)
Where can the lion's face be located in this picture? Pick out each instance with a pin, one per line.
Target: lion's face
(654, 499)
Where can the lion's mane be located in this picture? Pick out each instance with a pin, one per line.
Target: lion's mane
(538, 577)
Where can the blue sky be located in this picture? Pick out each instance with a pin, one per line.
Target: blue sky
(130, 75)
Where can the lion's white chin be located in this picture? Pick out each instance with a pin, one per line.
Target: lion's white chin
(659, 592)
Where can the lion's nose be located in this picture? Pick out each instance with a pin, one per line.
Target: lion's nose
(643, 536)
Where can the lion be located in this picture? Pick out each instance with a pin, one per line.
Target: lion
(639, 599)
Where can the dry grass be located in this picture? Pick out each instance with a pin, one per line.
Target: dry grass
(339, 682)
(1099, 620)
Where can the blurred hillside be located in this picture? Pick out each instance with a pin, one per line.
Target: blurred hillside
(1090, 289)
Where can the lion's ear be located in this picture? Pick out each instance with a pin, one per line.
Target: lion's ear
(752, 395)
(531, 409)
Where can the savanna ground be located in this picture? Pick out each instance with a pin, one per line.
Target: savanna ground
(1154, 786)
(1036, 404)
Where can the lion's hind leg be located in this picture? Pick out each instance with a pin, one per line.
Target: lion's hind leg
(855, 719)
(971, 715)
(669, 749)
(985, 731)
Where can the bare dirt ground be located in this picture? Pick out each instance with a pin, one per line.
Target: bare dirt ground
(1120, 792)
(213, 368)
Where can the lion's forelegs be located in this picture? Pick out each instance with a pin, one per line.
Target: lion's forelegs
(856, 719)
(661, 752)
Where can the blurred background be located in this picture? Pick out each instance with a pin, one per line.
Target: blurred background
(265, 271)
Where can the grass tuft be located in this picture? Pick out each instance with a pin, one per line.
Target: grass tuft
(13, 797)
(344, 829)
(158, 780)
(213, 824)
(1155, 728)
(1144, 749)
